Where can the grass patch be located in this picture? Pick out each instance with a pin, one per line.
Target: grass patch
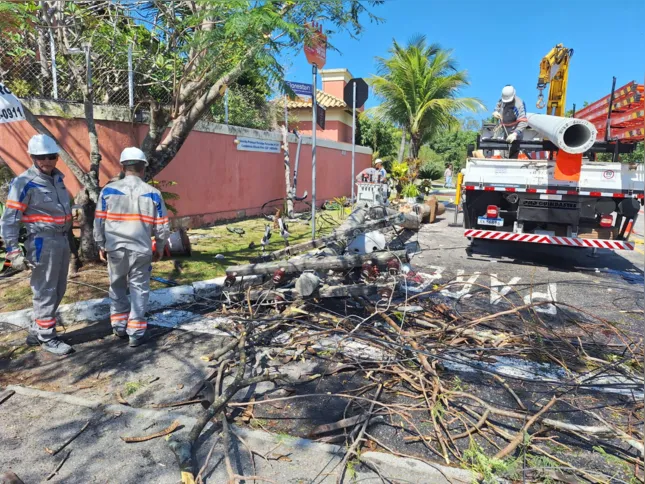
(488, 467)
(132, 387)
(92, 281)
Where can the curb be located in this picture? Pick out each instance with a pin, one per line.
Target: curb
(95, 310)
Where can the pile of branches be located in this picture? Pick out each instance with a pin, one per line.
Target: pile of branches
(419, 344)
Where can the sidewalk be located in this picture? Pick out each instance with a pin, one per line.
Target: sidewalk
(56, 397)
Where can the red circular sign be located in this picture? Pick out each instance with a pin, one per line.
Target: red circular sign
(608, 174)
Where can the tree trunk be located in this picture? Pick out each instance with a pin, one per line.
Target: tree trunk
(402, 147)
(287, 170)
(88, 247)
(415, 144)
(164, 152)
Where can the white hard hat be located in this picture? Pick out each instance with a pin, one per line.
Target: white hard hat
(378, 160)
(41, 144)
(508, 94)
(133, 155)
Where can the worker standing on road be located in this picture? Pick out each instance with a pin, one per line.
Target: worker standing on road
(38, 199)
(511, 111)
(129, 212)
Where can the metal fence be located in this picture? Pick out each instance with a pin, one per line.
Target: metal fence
(120, 75)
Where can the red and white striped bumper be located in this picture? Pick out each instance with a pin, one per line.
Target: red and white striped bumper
(549, 239)
(550, 191)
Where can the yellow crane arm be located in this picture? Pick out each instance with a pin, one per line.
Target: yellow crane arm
(554, 70)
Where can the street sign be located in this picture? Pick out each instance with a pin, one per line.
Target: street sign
(362, 92)
(300, 88)
(254, 144)
(316, 48)
(10, 107)
(320, 116)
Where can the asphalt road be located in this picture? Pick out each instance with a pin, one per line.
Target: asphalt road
(501, 274)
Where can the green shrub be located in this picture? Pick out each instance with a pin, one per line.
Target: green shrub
(410, 191)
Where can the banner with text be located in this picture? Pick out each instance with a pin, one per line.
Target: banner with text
(254, 144)
(10, 107)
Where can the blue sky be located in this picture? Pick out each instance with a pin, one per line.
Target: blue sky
(501, 43)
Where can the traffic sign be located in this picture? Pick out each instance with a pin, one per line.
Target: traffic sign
(316, 48)
(300, 88)
(320, 116)
(362, 92)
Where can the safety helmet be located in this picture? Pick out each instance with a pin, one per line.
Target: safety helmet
(508, 93)
(377, 161)
(132, 156)
(41, 144)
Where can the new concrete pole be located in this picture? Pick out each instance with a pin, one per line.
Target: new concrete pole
(572, 135)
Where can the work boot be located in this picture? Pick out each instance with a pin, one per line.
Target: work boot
(137, 341)
(32, 339)
(119, 332)
(56, 347)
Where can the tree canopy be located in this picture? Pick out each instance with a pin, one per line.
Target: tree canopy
(380, 135)
(419, 87)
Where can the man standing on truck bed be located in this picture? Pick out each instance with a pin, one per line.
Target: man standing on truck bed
(511, 111)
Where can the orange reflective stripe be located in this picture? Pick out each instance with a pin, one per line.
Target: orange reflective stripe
(137, 324)
(163, 220)
(46, 323)
(99, 214)
(16, 205)
(128, 217)
(120, 316)
(31, 219)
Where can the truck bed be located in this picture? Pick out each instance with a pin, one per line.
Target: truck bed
(596, 179)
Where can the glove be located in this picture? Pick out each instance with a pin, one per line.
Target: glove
(19, 263)
(102, 255)
(511, 137)
(497, 115)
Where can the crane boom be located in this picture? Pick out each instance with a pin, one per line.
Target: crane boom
(554, 70)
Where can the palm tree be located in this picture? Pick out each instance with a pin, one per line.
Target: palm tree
(418, 85)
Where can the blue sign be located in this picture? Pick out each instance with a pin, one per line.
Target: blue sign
(300, 88)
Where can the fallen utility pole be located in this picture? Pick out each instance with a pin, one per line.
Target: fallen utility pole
(340, 233)
(357, 290)
(316, 263)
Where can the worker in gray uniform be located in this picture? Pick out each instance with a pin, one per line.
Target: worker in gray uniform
(39, 200)
(511, 111)
(128, 213)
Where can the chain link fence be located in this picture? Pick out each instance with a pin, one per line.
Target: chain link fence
(119, 74)
(34, 66)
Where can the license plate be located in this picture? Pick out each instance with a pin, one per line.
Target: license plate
(497, 222)
(550, 197)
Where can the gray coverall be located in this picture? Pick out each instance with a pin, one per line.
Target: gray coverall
(42, 203)
(513, 119)
(129, 212)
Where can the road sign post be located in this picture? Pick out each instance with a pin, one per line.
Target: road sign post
(314, 109)
(353, 138)
(355, 94)
(316, 53)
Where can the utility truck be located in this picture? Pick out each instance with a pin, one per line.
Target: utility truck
(557, 193)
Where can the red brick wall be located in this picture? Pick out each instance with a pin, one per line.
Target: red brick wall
(214, 180)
